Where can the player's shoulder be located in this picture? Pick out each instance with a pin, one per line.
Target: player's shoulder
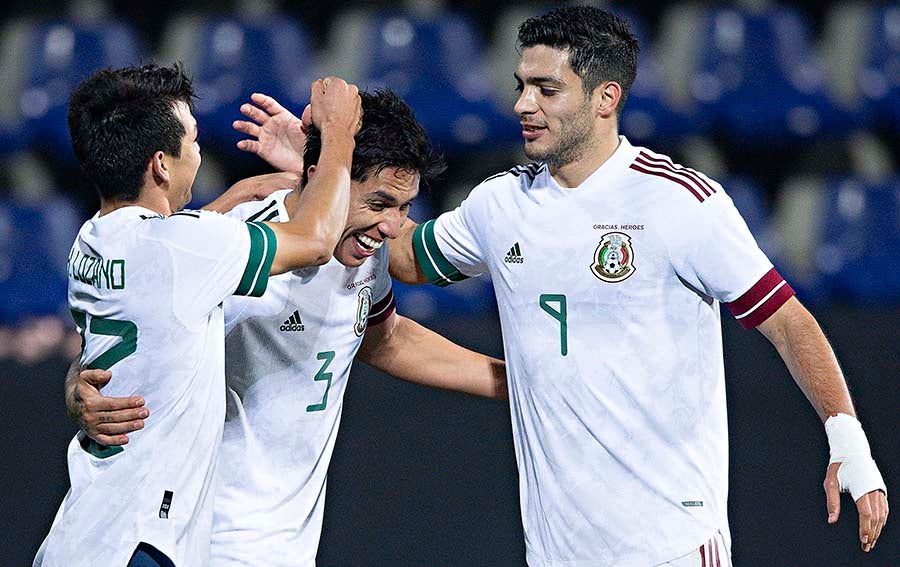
(188, 229)
(523, 175)
(264, 210)
(510, 184)
(675, 184)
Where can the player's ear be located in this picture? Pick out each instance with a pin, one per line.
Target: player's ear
(160, 167)
(310, 173)
(605, 98)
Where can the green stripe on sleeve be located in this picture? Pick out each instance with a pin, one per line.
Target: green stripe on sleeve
(435, 266)
(259, 262)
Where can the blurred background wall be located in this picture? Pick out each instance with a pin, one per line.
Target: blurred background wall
(794, 107)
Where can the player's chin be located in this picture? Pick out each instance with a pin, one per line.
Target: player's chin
(349, 253)
(535, 150)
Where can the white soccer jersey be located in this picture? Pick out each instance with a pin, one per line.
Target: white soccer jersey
(145, 291)
(608, 296)
(288, 355)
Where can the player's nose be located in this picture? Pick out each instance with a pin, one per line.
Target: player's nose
(390, 223)
(525, 104)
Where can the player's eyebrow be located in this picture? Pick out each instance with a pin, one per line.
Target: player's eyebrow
(383, 195)
(387, 198)
(539, 80)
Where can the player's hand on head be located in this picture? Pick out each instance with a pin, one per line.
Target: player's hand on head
(335, 105)
(279, 136)
(871, 506)
(105, 420)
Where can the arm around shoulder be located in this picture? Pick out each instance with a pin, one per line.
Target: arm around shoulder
(406, 350)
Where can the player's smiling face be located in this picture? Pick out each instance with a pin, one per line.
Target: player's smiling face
(378, 208)
(555, 113)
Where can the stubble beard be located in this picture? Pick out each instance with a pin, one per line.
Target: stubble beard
(574, 140)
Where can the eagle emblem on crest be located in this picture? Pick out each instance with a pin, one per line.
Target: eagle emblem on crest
(613, 258)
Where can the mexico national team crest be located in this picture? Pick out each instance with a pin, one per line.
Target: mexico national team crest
(362, 311)
(613, 258)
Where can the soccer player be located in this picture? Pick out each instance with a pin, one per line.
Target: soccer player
(288, 354)
(146, 285)
(609, 262)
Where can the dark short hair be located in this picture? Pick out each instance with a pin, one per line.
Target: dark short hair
(390, 137)
(118, 118)
(600, 44)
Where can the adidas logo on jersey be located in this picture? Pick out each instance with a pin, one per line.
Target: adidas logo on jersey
(293, 323)
(514, 256)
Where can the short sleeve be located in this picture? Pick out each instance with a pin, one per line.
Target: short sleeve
(215, 256)
(383, 296)
(448, 249)
(713, 250)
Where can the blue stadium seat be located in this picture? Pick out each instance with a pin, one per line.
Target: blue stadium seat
(750, 202)
(437, 66)
(231, 58)
(648, 116)
(859, 251)
(61, 54)
(759, 78)
(34, 245)
(880, 79)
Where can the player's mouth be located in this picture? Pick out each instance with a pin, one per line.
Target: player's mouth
(367, 244)
(532, 132)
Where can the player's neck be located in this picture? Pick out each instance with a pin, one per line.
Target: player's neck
(290, 200)
(595, 154)
(149, 199)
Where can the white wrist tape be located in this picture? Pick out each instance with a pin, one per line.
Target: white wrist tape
(858, 473)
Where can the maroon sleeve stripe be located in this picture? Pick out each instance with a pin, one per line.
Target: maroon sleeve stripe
(664, 175)
(383, 309)
(761, 300)
(691, 173)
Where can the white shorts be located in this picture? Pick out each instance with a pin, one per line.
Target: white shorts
(713, 553)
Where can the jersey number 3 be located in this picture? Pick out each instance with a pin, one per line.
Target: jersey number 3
(560, 315)
(328, 357)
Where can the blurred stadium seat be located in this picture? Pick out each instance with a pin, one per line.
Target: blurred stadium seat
(34, 245)
(437, 65)
(230, 58)
(56, 56)
(749, 200)
(859, 249)
(759, 79)
(651, 116)
(880, 76)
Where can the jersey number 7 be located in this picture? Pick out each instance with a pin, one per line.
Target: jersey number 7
(126, 330)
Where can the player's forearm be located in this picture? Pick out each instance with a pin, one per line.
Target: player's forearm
(402, 265)
(252, 189)
(809, 358)
(416, 354)
(73, 408)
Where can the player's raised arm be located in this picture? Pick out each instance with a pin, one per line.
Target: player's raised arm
(406, 350)
(253, 188)
(811, 361)
(317, 221)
